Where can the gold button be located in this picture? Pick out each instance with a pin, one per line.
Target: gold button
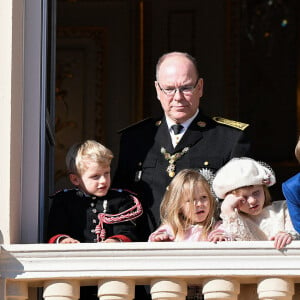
(206, 163)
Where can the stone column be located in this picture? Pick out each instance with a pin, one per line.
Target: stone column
(164, 289)
(116, 289)
(218, 288)
(61, 290)
(275, 289)
(16, 290)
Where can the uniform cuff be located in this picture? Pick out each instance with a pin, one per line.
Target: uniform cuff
(121, 238)
(56, 238)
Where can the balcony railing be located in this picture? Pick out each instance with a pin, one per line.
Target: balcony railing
(227, 270)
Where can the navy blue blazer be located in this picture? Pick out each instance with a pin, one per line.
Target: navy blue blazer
(75, 214)
(291, 191)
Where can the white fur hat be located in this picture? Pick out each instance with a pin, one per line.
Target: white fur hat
(240, 172)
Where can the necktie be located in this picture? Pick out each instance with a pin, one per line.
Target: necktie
(177, 128)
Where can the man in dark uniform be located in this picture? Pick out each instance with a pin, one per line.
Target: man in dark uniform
(153, 151)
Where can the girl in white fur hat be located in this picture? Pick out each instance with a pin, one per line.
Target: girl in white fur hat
(246, 210)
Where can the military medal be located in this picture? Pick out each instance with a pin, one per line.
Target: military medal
(172, 159)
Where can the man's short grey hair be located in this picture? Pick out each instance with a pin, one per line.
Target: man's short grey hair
(184, 54)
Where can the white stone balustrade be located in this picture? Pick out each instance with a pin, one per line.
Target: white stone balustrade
(227, 270)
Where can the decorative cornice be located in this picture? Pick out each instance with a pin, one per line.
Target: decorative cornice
(247, 261)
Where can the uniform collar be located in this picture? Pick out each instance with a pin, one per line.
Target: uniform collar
(192, 135)
(185, 124)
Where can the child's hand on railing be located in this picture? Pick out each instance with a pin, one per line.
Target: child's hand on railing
(68, 240)
(281, 239)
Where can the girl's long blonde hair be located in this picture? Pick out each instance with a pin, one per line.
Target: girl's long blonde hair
(181, 189)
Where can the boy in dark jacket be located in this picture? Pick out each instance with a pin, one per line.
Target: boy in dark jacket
(92, 212)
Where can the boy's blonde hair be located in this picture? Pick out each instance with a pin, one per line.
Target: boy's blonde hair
(89, 151)
(181, 189)
(297, 150)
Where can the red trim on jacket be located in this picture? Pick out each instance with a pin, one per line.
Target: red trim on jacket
(54, 238)
(121, 237)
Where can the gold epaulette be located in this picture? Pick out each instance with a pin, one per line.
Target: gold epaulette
(232, 123)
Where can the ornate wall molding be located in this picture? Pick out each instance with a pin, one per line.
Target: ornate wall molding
(80, 61)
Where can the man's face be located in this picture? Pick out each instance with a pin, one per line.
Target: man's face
(177, 72)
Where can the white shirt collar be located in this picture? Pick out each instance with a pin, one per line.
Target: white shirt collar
(176, 138)
(185, 124)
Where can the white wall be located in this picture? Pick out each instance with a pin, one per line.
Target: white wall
(11, 91)
(5, 115)
(33, 94)
(20, 93)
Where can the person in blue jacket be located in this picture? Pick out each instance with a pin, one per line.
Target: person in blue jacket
(291, 191)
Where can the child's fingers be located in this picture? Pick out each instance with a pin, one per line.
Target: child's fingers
(217, 238)
(281, 240)
(111, 241)
(240, 202)
(163, 237)
(69, 241)
(236, 201)
(279, 243)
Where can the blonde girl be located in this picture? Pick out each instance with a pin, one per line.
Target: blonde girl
(188, 211)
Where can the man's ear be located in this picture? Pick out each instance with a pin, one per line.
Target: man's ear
(157, 90)
(74, 179)
(200, 87)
